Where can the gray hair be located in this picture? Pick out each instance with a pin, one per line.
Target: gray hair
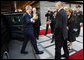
(27, 7)
(61, 3)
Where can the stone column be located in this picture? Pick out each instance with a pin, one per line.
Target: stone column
(44, 5)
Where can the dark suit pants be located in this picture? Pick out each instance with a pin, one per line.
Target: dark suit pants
(36, 31)
(27, 37)
(52, 28)
(59, 43)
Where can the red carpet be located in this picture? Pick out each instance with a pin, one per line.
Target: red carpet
(77, 55)
(42, 32)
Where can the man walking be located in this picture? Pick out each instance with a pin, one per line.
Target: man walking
(28, 31)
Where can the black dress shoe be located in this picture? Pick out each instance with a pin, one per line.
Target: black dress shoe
(67, 57)
(24, 52)
(39, 52)
(52, 41)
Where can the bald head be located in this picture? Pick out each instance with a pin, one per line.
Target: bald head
(58, 5)
(34, 9)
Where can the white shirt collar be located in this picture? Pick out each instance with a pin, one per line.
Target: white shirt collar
(60, 9)
(29, 13)
(78, 11)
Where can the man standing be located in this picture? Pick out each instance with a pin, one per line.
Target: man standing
(79, 19)
(61, 33)
(49, 15)
(28, 30)
(37, 23)
(53, 24)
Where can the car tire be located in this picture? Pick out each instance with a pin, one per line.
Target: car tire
(5, 55)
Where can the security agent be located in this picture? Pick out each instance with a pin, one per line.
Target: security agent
(79, 19)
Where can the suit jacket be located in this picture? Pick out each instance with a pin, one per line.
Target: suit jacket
(61, 24)
(37, 22)
(27, 24)
(53, 19)
(79, 17)
(49, 16)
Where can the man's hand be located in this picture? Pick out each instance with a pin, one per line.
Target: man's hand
(35, 17)
(48, 22)
(67, 28)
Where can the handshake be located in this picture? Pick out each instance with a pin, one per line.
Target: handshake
(35, 17)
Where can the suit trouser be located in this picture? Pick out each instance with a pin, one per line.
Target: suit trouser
(27, 37)
(36, 31)
(59, 44)
(47, 26)
(78, 32)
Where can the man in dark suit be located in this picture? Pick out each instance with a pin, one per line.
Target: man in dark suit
(37, 23)
(53, 24)
(79, 19)
(49, 15)
(28, 31)
(61, 33)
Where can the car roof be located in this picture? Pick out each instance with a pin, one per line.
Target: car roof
(14, 13)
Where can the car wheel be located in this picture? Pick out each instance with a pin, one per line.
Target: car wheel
(5, 55)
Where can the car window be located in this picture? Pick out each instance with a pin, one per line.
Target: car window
(16, 20)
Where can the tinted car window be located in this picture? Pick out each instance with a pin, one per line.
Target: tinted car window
(16, 20)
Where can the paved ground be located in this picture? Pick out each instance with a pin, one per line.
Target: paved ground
(44, 44)
(14, 51)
